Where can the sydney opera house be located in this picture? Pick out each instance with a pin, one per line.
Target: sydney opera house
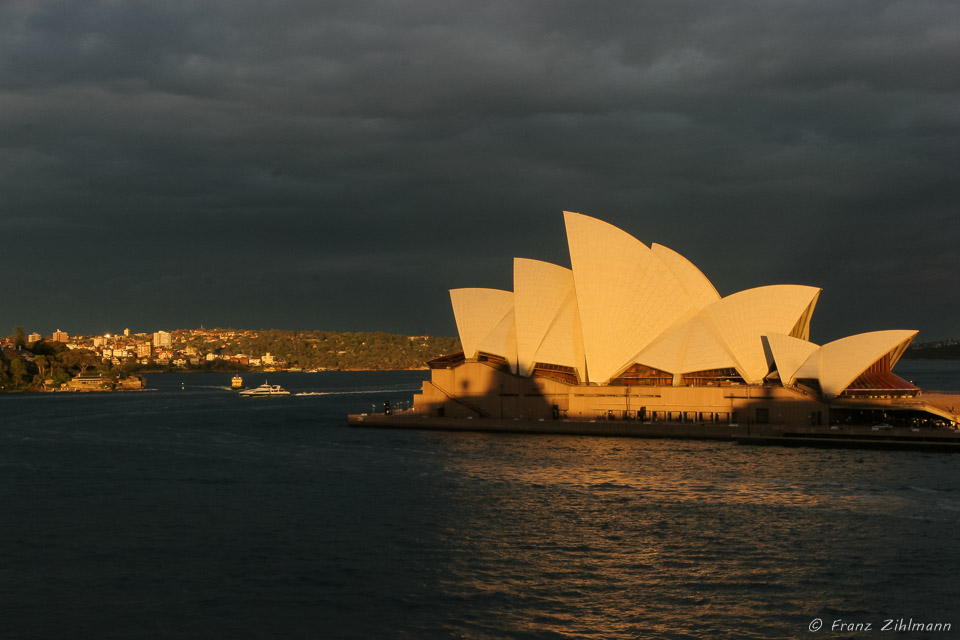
(637, 333)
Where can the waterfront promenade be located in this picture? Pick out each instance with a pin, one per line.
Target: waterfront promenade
(837, 436)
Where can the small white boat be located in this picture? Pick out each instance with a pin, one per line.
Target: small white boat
(265, 390)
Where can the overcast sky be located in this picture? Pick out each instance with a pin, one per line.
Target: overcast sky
(340, 165)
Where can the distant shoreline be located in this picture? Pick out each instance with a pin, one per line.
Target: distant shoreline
(228, 374)
(243, 373)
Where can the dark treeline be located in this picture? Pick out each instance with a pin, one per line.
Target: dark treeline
(33, 366)
(942, 350)
(346, 351)
(25, 367)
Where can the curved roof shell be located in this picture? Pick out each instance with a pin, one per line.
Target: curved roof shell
(540, 291)
(701, 291)
(693, 346)
(728, 333)
(563, 343)
(626, 295)
(739, 321)
(478, 312)
(789, 354)
(838, 363)
(548, 323)
(502, 340)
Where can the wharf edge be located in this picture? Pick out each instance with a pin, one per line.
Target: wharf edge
(778, 435)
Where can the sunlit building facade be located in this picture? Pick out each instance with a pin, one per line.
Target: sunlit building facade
(639, 333)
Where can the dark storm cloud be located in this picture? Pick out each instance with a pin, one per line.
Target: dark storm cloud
(340, 165)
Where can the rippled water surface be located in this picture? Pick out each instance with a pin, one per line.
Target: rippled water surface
(192, 513)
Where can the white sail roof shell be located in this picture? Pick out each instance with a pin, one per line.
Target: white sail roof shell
(701, 291)
(502, 340)
(478, 312)
(789, 354)
(563, 343)
(626, 295)
(739, 320)
(838, 363)
(548, 325)
(728, 333)
(693, 346)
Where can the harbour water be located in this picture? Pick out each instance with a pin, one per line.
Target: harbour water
(192, 513)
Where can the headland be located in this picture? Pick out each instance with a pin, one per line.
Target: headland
(114, 361)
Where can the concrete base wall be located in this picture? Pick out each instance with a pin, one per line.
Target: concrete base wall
(478, 390)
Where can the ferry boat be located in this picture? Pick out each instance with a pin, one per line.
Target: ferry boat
(236, 382)
(265, 390)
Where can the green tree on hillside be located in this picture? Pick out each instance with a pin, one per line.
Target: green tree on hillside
(78, 360)
(42, 363)
(18, 372)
